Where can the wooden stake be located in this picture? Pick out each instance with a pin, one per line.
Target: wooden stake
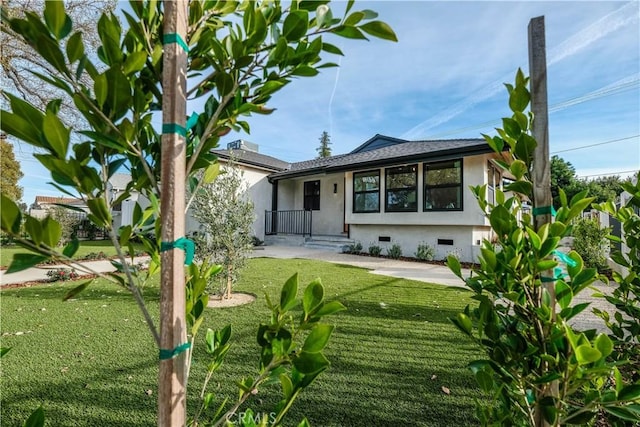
(172, 378)
(541, 165)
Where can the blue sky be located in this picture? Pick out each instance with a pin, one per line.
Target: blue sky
(443, 79)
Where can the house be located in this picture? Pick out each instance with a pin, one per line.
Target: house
(386, 191)
(390, 191)
(42, 205)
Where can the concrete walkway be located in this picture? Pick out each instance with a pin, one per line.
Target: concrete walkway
(39, 273)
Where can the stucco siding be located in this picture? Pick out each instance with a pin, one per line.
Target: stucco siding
(445, 239)
(473, 173)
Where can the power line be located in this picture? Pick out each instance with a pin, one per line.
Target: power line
(625, 85)
(596, 144)
(608, 174)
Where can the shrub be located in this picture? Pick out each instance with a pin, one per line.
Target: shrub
(354, 248)
(374, 250)
(94, 255)
(425, 252)
(61, 275)
(255, 241)
(455, 252)
(395, 251)
(590, 241)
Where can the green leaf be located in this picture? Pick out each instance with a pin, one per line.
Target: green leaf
(630, 393)
(75, 48)
(330, 308)
(23, 261)
(4, 350)
(51, 232)
(99, 209)
(525, 146)
(496, 143)
(518, 168)
(56, 19)
(349, 32)
(211, 173)
(485, 380)
(75, 291)
(622, 413)
(71, 248)
(56, 134)
(519, 99)
(454, 265)
(288, 293)
(304, 70)
(522, 187)
(379, 29)
(295, 25)
(463, 322)
(51, 52)
(134, 62)
(546, 264)
(10, 216)
(287, 386)
(36, 419)
(17, 126)
(604, 345)
(586, 354)
(310, 363)
(224, 83)
(318, 338)
(564, 295)
(119, 94)
(101, 89)
(313, 295)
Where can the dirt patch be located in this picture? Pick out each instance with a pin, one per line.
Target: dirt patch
(237, 299)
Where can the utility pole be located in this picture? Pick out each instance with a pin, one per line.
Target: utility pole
(542, 200)
(173, 335)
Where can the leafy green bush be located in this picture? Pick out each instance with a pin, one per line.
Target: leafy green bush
(374, 250)
(425, 252)
(61, 275)
(354, 248)
(395, 251)
(590, 241)
(625, 324)
(538, 369)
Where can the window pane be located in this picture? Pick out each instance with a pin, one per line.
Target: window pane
(366, 182)
(402, 200)
(443, 198)
(312, 195)
(402, 177)
(443, 173)
(367, 202)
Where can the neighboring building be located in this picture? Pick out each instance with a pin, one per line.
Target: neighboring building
(388, 191)
(42, 204)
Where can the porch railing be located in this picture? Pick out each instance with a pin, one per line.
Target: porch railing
(288, 222)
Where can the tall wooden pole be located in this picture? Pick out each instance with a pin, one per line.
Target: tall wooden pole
(172, 378)
(542, 200)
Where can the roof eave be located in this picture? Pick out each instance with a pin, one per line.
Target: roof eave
(440, 155)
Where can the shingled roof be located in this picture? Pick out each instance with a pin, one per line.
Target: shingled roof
(391, 151)
(254, 159)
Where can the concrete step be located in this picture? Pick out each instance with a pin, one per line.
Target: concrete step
(329, 243)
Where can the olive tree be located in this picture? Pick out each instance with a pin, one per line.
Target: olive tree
(226, 217)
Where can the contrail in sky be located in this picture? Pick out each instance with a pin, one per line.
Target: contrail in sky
(621, 17)
(333, 93)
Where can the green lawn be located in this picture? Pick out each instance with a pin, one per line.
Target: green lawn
(86, 247)
(90, 360)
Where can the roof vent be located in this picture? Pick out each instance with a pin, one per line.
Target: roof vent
(241, 144)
